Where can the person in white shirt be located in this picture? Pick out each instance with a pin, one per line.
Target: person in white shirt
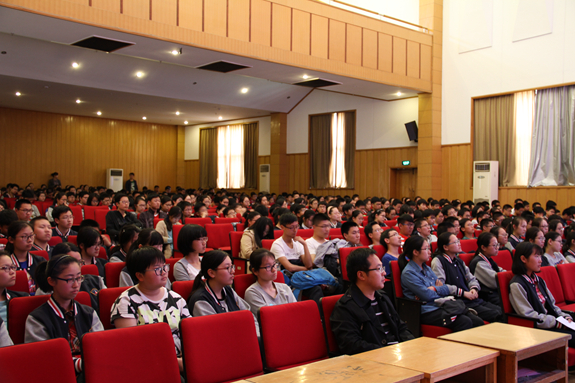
(373, 232)
(321, 227)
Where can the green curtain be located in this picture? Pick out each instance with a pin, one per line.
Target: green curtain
(350, 149)
(251, 155)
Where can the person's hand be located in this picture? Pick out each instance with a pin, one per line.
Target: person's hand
(569, 319)
(300, 240)
(181, 364)
(438, 283)
(469, 295)
(431, 288)
(475, 293)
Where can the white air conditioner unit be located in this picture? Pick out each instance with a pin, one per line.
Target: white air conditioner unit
(265, 178)
(115, 179)
(485, 181)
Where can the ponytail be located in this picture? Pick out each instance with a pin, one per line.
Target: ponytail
(211, 261)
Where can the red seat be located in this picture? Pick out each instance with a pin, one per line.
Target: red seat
(240, 227)
(184, 288)
(106, 299)
(158, 366)
(267, 243)
(551, 278)
(90, 269)
(343, 254)
(84, 298)
(433, 246)
(198, 221)
(156, 221)
(364, 239)
(503, 260)
(54, 241)
(73, 239)
(77, 213)
(172, 263)
(305, 233)
(176, 233)
(327, 306)
(466, 257)
(310, 347)
(235, 240)
(218, 236)
(566, 272)
(334, 232)
(477, 233)
(113, 270)
(18, 310)
(52, 362)
(469, 245)
(278, 233)
(242, 282)
(89, 211)
(100, 217)
(237, 345)
(40, 206)
(391, 223)
(336, 236)
(3, 241)
(226, 220)
(41, 253)
(21, 282)
(102, 253)
(10, 202)
(380, 250)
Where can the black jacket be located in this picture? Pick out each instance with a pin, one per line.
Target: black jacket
(147, 218)
(115, 221)
(356, 327)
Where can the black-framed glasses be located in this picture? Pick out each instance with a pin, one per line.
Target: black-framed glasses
(271, 267)
(160, 269)
(230, 268)
(71, 281)
(379, 269)
(27, 237)
(8, 269)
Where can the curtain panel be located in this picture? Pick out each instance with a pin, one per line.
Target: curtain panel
(251, 155)
(320, 151)
(208, 158)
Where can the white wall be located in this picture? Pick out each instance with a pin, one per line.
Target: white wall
(192, 136)
(406, 10)
(493, 46)
(380, 124)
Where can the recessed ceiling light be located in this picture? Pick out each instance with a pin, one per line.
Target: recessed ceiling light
(99, 113)
(186, 122)
(139, 74)
(18, 94)
(78, 101)
(305, 76)
(175, 52)
(244, 90)
(75, 65)
(398, 94)
(177, 113)
(220, 118)
(143, 118)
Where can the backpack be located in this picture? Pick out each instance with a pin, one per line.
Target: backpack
(303, 280)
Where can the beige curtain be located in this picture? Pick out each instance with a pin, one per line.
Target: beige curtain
(208, 158)
(251, 155)
(524, 108)
(320, 151)
(230, 157)
(350, 149)
(495, 135)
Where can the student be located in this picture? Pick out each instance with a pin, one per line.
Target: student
(200, 211)
(334, 217)
(405, 224)
(485, 269)
(59, 200)
(116, 219)
(486, 225)
(128, 235)
(20, 240)
(306, 221)
(556, 226)
(373, 231)
(552, 255)
(529, 295)
(424, 230)
(147, 217)
(501, 234)
(64, 220)
(6, 218)
(192, 242)
(357, 217)
(252, 237)
(321, 227)
(105, 200)
(536, 236)
(429, 215)
(364, 319)
(187, 211)
(166, 204)
(391, 241)
(62, 316)
(212, 292)
(7, 280)
(266, 292)
(569, 247)
(139, 205)
(453, 272)
(23, 209)
(165, 228)
(420, 282)
(149, 301)
(467, 228)
(93, 200)
(327, 254)
(516, 231)
(89, 242)
(147, 237)
(289, 249)
(42, 235)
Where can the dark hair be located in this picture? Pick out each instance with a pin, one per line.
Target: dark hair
(151, 196)
(515, 223)
(188, 235)
(142, 258)
(127, 232)
(531, 233)
(13, 230)
(442, 240)
(386, 235)
(413, 243)
(369, 228)
(553, 224)
(7, 216)
(320, 217)
(57, 197)
(551, 235)
(21, 202)
(91, 198)
(374, 214)
(287, 218)
(59, 210)
(36, 219)
(484, 222)
(174, 212)
(87, 236)
(358, 260)
(259, 228)
(523, 249)
(404, 218)
(211, 261)
(483, 240)
(89, 223)
(147, 237)
(64, 248)
(52, 269)
(570, 237)
(347, 226)
(198, 206)
(257, 257)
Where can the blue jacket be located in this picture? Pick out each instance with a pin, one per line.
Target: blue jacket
(415, 282)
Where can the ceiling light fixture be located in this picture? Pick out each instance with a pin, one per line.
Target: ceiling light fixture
(244, 90)
(220, 118)
(176, 52)
(398, 94)
(305, 76)
(143, 118)
(99, 113)
(75, 65)
(185, 122)
(177, 113)
(139, 74)
(18, 94)
(78, 101)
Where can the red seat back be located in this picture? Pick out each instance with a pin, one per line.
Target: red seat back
(106, 299)
(478, 233)
(380, 250)
(327, 306)
(73, 239)
(396, 274)
(41, 253)
(89, 211)
(10, 202)
(433, 246)
(235, 240)
(160, 365)
(566, 272)
(55, 240)
(90, 269)
(77, 213)
(176, 233)
(278, 233)
(237, 345)
(467, 257)
(40, 206)
(172, 263)
(218, 235)
(364, 239)
(503, 280)
(198, 221)
(52, 362)
(21, 282)
(267, 243)
(184, 288)
(156, 221)
(100, 217)
(84, 298)
(18, 310)
(305, 233)
(343, 254)
(113, 270)
(469, 245)
(311, 346)
(391, 223)
(226, 220)
(551, 278)
(503, 260)
(240, 227)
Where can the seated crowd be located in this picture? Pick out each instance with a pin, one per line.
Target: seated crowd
(423, 236)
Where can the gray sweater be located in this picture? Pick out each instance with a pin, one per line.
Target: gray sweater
(258, 298)
(521, 305)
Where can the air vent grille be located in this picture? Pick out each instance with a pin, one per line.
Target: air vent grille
(223, 66)
(317, 82)
(479, 167)
(102, 44)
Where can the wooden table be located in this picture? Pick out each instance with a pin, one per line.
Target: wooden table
(342, 369)
(538, 349)
(439, 359)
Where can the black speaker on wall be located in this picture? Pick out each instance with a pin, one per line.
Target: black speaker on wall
(412, 131)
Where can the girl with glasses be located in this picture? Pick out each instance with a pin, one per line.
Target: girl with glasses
(553, 245)
(266, 292)
(569, 247)
(7, 280)
(89, 242)
(20, 241)
(192, 242)
(61, 316)
(149, 301)
(485, 269)
(502, 236)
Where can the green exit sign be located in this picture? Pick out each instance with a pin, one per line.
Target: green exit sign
(405, 163)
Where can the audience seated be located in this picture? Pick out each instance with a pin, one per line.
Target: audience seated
(192, 242)
(485, 269)
(262, 228)
(321, 227)
(64, 219)
(89, 242)
(147, 217)
(20, 240)
(391, 241)
(116, 219)
(42, 235)
(7, 280)
(164, 227)
(128, 235)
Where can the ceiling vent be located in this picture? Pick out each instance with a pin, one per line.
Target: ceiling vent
(223, 66)
(317, 82)
(102, 44)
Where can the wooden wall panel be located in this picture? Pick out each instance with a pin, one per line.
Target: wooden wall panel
(192, 171)
(425, 62)
(399, 55)
(336, 40)
(353, 45)
(82, 148)
(563, 195)
(107, 5)
(165, 11)
(261, 22)
(81, 2)
(319, 36)
(369, 49)
(239, 20)
(281, 27)
(456, 172)
(137, 8)
(413, 59)
(191, 14)
(216, 17)
(385, 52)
(301, 24)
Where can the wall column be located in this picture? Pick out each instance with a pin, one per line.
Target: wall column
(429, 149)
(278, 158)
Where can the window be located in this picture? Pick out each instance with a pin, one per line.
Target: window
(230, 157)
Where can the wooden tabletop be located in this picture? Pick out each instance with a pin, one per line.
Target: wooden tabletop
(502, 336)
(432, 356)
(341, 369)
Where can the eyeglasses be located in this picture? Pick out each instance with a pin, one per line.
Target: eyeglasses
(160, 270)
(379, 269)
(230, 268)
(378, 230)
(71, 281)
(9, 269)
(27, 211)
(271, 267)
(292, 227)
(324, 226)
(26, 237)
(454, 242)
(203, 239)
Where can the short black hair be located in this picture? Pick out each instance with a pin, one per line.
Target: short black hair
(523, 249)
(189, 234)
(21, 202)
(142, 258)
(59, 210)
(8, 216)
(358, 260)
(320, 217)
(404, 218)
(287, 218)
(347, 226)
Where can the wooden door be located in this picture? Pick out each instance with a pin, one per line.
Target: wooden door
(403, 182)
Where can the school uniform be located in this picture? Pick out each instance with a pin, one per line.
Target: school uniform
(118, 256)
(48, 249)
(64, 235)
(514, 240)
(5, 339)
(101, 265)
(485, 270)
(8, 295)
(30, 266)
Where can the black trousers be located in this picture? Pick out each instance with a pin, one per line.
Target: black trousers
(461, 322)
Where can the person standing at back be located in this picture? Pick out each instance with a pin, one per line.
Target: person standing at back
(131, 184)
